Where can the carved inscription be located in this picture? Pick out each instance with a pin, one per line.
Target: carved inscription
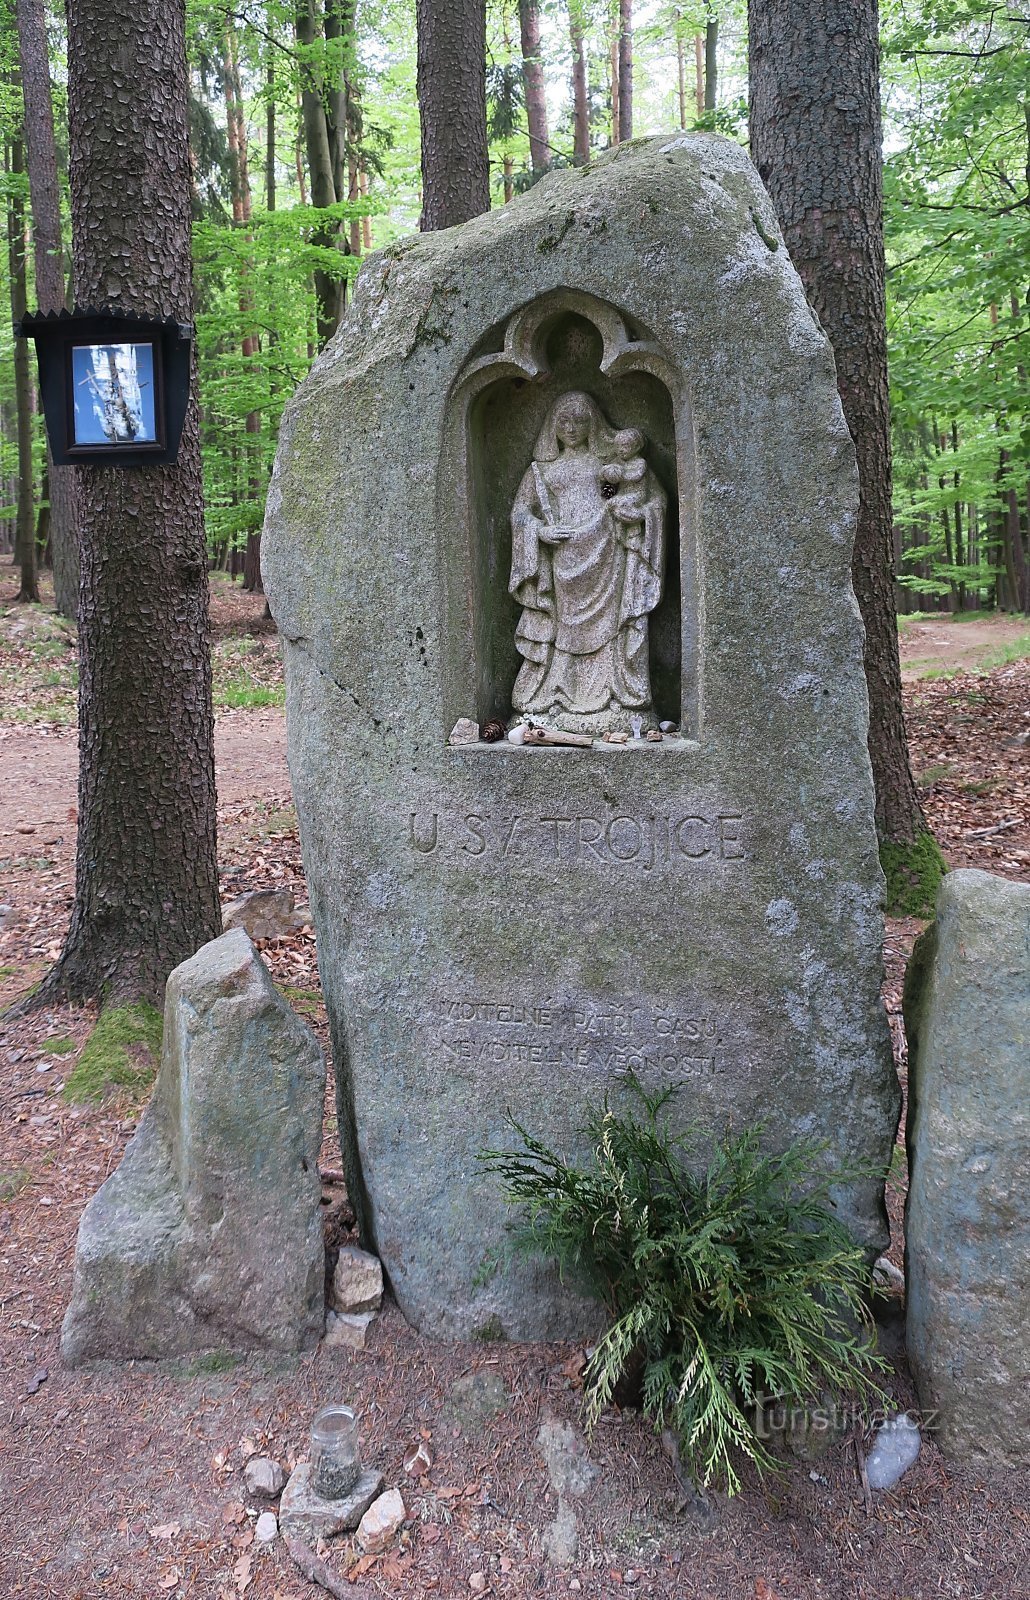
(611, 1040)
(642, 842)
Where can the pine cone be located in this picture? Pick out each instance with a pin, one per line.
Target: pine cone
(493, 732)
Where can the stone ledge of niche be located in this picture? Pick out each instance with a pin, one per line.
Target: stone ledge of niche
(669, 741)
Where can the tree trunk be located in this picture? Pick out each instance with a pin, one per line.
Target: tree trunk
(699, 74)
(681, 79)
(581, 109)
(451, 82)
(324, 167)
(241, 215)
(712, 58)
(366, 222)
(533, 77)
(625, 70)
(146, 889)
(613, 72)
(25, 523)
(816, 140)
(49, 261)
(270, 136)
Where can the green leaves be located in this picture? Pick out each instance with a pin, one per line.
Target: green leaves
(722, 1267)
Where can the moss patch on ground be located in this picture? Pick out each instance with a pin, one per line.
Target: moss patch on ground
(122, 1052)
(913, 872)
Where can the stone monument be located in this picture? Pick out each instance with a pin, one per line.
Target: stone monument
(580, 464)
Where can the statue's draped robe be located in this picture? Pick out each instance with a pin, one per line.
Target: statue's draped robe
(585, 600)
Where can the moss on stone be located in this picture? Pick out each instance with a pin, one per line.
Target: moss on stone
(913, 872)
(122, 1052)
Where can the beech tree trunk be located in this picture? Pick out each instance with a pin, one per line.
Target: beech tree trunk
(322, 109)
(25, 520)
(533, 77)
(816, 140)
(146, 886)
(451, 82)
(712, 59)
(49, 262)
(580, 105)
(625, 70)
(242, 211)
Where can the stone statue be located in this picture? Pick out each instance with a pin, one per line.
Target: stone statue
(587, 564)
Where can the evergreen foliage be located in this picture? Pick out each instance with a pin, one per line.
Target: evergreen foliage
(725, 1274)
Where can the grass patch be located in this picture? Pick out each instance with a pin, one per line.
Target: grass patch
(122, 1052)
(208, 1365)
(913, 872)
(59, 1046)
(12, 1183)
(1007, 654)
(932, 775)
(243, 692)
(307, 1002)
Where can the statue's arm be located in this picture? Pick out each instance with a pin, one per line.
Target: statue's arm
(526, 527)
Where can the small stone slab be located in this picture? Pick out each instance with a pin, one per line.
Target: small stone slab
(262, 914)
(357, 1281)
(343, 1331)
(381, 1521)
(263, 1476)
(967, 1218)
(305, 1515)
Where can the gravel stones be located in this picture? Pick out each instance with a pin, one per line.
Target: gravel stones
(967, 1225)
(209, 1233)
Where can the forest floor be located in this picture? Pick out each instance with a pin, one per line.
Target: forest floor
(128, 1480)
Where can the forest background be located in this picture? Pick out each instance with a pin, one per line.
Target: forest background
(305, 155)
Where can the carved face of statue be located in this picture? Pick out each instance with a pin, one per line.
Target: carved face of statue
(572, 423)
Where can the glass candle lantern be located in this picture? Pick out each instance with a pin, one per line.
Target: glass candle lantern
(335, 1463)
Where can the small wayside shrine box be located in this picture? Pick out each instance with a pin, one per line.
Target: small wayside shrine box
(114, 384)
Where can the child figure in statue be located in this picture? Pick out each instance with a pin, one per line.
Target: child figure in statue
(624, 487)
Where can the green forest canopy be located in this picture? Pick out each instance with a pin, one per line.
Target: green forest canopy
(957, 217)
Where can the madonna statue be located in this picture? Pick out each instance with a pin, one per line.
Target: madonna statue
(587, 564)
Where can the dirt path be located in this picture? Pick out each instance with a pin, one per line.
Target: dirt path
(943, 644)
(39, 772)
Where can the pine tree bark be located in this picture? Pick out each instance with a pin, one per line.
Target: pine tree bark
(816, 140)
(451, 83)
(25, 519)
(44, 194)
(146, 887)
(533, 77)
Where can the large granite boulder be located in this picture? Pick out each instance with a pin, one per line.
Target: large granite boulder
(209, 1233)
(967, 1220)
(580, 461)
